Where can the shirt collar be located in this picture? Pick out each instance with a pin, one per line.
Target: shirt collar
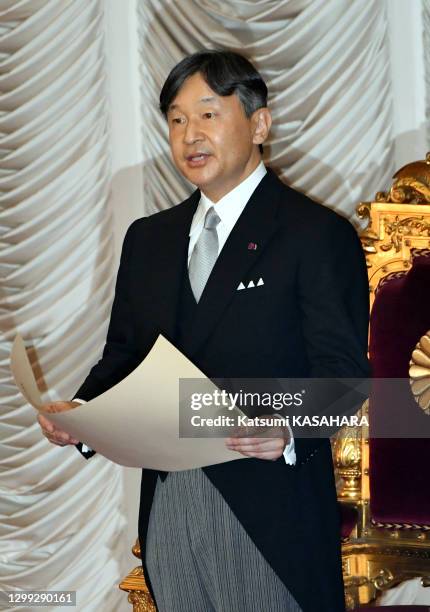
(230, 206)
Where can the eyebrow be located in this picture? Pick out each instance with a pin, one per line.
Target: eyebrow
(205, 100)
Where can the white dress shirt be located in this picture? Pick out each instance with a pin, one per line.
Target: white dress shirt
(229, 209)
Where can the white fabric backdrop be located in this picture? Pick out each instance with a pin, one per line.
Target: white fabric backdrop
(326, 63)
(426, 39)
(61, 522)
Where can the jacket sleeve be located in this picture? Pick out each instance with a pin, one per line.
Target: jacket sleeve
(120, 355)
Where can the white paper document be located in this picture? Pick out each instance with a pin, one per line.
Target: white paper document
(136, 422)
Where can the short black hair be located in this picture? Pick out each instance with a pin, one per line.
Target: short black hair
(226, 73)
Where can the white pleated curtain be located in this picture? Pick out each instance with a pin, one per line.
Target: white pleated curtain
(326, 64)
(426, 44)
(61, 525)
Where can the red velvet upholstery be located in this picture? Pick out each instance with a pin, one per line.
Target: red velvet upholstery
(348, 518)
(399, 478)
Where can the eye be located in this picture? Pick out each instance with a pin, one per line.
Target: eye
(177, 120)
(209, 115)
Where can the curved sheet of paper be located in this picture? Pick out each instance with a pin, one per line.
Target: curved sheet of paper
(136, 422)
(23, 373)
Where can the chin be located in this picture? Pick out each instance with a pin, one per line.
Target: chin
(199, 179)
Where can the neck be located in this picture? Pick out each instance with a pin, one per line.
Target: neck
(215, 193)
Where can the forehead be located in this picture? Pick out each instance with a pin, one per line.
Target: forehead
(195, 91)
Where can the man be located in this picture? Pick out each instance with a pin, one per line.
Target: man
(249, 279)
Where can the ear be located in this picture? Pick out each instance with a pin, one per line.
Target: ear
(261, 120)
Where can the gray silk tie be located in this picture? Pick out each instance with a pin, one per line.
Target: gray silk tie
(204, 254)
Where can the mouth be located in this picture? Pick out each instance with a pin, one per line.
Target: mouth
(196, 160)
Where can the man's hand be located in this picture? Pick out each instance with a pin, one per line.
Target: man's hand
(49, 430)
(262, 448)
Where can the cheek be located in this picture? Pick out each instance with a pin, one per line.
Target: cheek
(240, 140)
(174, 141)
(176, 153)
(238, 150)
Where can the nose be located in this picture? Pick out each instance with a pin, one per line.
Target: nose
(192, 132)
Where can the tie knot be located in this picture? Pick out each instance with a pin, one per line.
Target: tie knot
(211, 219)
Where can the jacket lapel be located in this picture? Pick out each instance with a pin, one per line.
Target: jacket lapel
(171, 261)
(256, 224)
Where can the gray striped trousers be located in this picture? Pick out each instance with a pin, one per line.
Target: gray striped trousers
(199, 557)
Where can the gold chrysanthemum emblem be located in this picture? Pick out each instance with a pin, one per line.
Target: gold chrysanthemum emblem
(419, 372)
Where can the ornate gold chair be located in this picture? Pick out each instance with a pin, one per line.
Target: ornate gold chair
(386, 521)
(134, 584)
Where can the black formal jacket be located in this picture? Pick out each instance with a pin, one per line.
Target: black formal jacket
(309, 318)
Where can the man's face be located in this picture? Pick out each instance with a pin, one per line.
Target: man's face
(214, 145)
